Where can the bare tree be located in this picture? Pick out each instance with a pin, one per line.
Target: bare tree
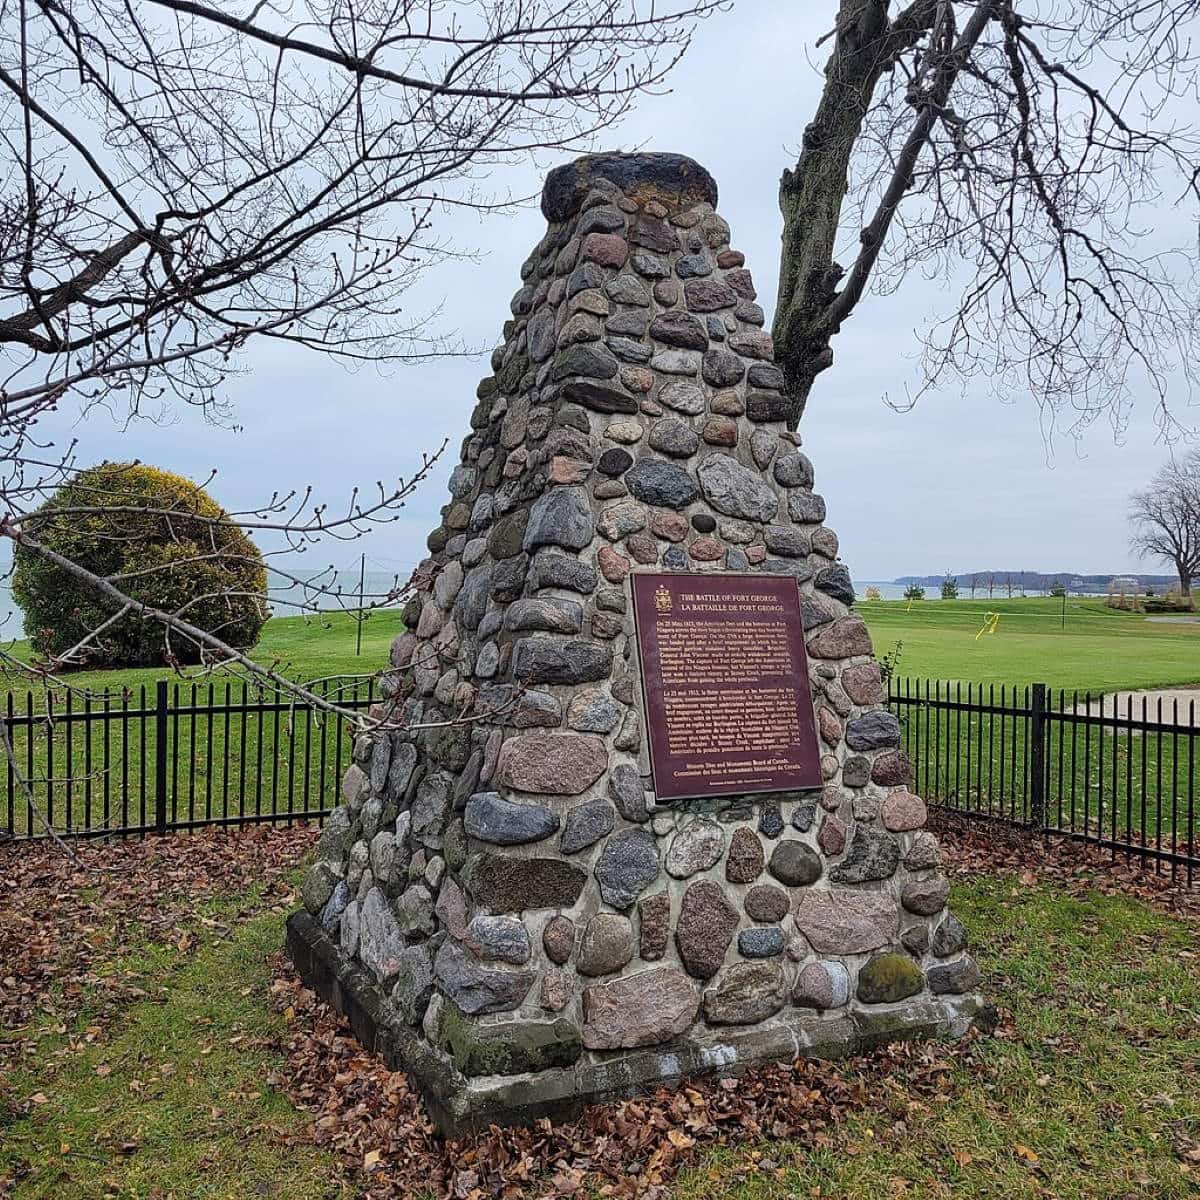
(1166, 519)
(183, 178)
(1012, 148)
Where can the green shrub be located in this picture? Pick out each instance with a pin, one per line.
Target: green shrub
(914, 591)
(209, 569)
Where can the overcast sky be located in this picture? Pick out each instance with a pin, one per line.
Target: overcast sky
(957, 484)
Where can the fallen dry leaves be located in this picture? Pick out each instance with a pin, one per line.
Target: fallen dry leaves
(59, 922)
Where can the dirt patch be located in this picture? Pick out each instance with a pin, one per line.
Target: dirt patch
(1170, 706)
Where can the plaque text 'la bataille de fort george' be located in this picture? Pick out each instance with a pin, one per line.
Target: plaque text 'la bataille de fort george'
(725, 675)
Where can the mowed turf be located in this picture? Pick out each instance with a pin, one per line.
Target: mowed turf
(1097, 649)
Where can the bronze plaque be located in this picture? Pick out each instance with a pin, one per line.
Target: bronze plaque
(725, 678)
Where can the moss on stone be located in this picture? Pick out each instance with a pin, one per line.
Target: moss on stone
(509, 1048)
(889, 977)
(509, 376)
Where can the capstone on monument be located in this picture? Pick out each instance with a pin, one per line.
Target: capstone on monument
(646, 815)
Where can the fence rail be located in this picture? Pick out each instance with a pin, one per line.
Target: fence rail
(1118, 774)
(172, 756)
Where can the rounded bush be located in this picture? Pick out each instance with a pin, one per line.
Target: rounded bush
(207, 570)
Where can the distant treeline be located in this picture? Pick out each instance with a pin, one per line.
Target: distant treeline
(1038, 581)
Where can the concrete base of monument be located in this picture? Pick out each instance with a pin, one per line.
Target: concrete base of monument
(459, 1103)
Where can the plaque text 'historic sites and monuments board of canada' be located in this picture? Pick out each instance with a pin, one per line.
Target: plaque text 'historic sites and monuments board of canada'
(725, 677)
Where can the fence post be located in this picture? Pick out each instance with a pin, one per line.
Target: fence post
(1037, 756)
(160, 758)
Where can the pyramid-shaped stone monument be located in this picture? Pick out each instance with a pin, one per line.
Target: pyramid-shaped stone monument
(638, 811)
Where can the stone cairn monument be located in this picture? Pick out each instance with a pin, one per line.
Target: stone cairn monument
(504, 906)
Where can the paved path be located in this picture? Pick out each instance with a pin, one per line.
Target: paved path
(1179, 705)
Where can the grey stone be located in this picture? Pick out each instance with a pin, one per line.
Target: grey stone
(318, 886)
(621, 519)
(627, 865)
(766, 375)
(805, 507)
(414, 983)
(950, 937)
(560, 517)
(705, 928)
(338, 902)
(915, 940)
(477, 989)
(557, 764)
(745, 993)
(735, 491)
(679, 329)
(764, 941)
(676, 362)
(383, 856)
(642, 1009)
(662, 484)
(606, 945)
(593, 711)
(722, 368)
(695, 848)
(692, 265)
(795, 863)
(584, 359)
(787, 540)
(543, 614)
(654, 925)
(874, 730)
(803, 816)
(671, 436)
(923, 854)
(630, 322)
(547, 660)
(708, 295)
(628, 289)
(956, 978)
(380, 939)
(684, 397)
(501, 939)
(625, 787)
(615, 461)
(925, 896)
(794, 470)
(337, 836)
(628, 350)
(414, 913)
(430, 811)
(873, 855)
(653, 266)
(586, 824)
(550, 568)
(835, 581)
(491, 818)
(598, 396)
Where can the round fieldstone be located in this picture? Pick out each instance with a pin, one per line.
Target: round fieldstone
(923, 854)
(614, 462)
(606, 945)
(873, 855)
(804, 815)
(476, 989)
(925, 896)
(502, 939)
(670, 526)
(821, 985)
(888, 978)
(745, 861)
(873, 731)
(745, 993)
(891, 769)
(662, 484)
(956, 978)
(679, 329)
(770, 821)
(621, 519)
(705, 928)
(766, 903)
(832, 836)
(628, 864)
(736, 491)
(722, 368)
(793, 470)
(703, 522)
(903, 812)
(708, 295)
(695, 848)
(915, 940)
(671, 436)
(560, 517)
(684, 397)
(641, 1009)
(862, 683)
(558, 939)
(795, 863)
(761, 942)
(586, 824)
(835, 581)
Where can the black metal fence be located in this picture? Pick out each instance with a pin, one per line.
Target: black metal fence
(1118, 773)
(172, 756)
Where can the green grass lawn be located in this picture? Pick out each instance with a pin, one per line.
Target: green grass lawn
(1099, 649)
(1088, 1092)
